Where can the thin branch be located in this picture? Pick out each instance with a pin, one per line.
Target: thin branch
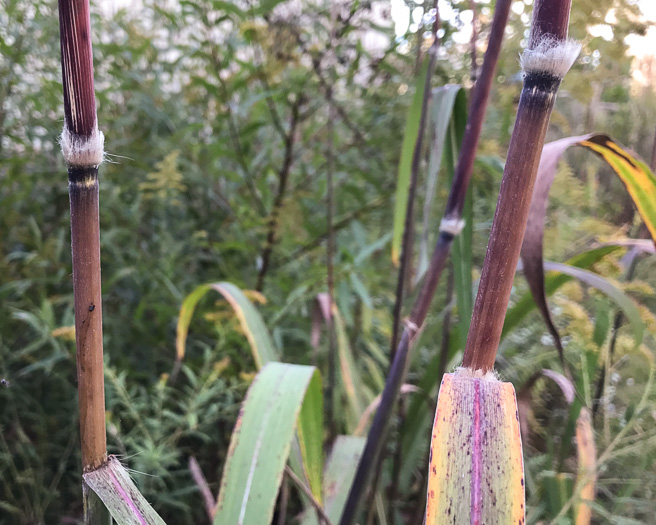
(283, 176)
(406, 246)
(306, 490)
(203, 487)
(472, 42)
(337, 226)
(330, 248)
(234, 133)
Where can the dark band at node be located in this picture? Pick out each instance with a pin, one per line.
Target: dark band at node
(77, 174)
(542, 81)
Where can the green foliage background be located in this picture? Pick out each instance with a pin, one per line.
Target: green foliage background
(197, 99)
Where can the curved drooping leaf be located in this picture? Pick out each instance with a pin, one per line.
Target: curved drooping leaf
(410, 138)
(605, 286)
(113, 485)
(262, 439)
(250, 320)
(636, 176)
(552, 282)
(309, 460)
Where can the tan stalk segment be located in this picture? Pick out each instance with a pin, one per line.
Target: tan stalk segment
(85, 240)
(476, 473)
(82, 146)
(587, 460)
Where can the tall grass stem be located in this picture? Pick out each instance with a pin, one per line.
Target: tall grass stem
(452, 225)
(546, 60)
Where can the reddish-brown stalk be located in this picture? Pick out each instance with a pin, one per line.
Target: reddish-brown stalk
(453, 212)
(82, 147)
(546, 60)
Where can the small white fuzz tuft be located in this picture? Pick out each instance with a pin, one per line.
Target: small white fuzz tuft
(476, 374)
(452, 225)
(553, 57)
(83, 152)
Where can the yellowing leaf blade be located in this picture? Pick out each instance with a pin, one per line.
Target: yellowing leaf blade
(476, 472)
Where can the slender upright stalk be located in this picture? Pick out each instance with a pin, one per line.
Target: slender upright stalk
(472, 42)
(283, 178)
(451, 226)
(330, 245)
(406, 244)
(546, 60)
(82, 146)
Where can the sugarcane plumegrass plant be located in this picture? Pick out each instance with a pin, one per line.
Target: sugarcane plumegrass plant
(476, 469)
(107, 488)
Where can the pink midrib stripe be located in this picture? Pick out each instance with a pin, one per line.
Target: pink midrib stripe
(127, 499)
(477, 458)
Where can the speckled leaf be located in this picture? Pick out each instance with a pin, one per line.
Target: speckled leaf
(476, 472)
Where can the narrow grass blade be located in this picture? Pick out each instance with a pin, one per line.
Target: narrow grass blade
(462, 244)
(405, 164)
(443, 101)
(605, 286)
(338, 476)
(552, 283)
(349, 374)
(476, 472)
(112, 483)
(261, 441)
(250, 320)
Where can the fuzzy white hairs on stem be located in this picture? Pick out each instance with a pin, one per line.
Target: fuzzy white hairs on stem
(452, 225)
(83, 152)
(550, 56)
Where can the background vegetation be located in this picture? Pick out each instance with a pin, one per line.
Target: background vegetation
(215, 120)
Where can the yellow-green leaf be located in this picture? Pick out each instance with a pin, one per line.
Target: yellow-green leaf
(476, 472)
(250, 321)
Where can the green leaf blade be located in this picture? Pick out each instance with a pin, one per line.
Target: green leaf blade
(261, 442)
